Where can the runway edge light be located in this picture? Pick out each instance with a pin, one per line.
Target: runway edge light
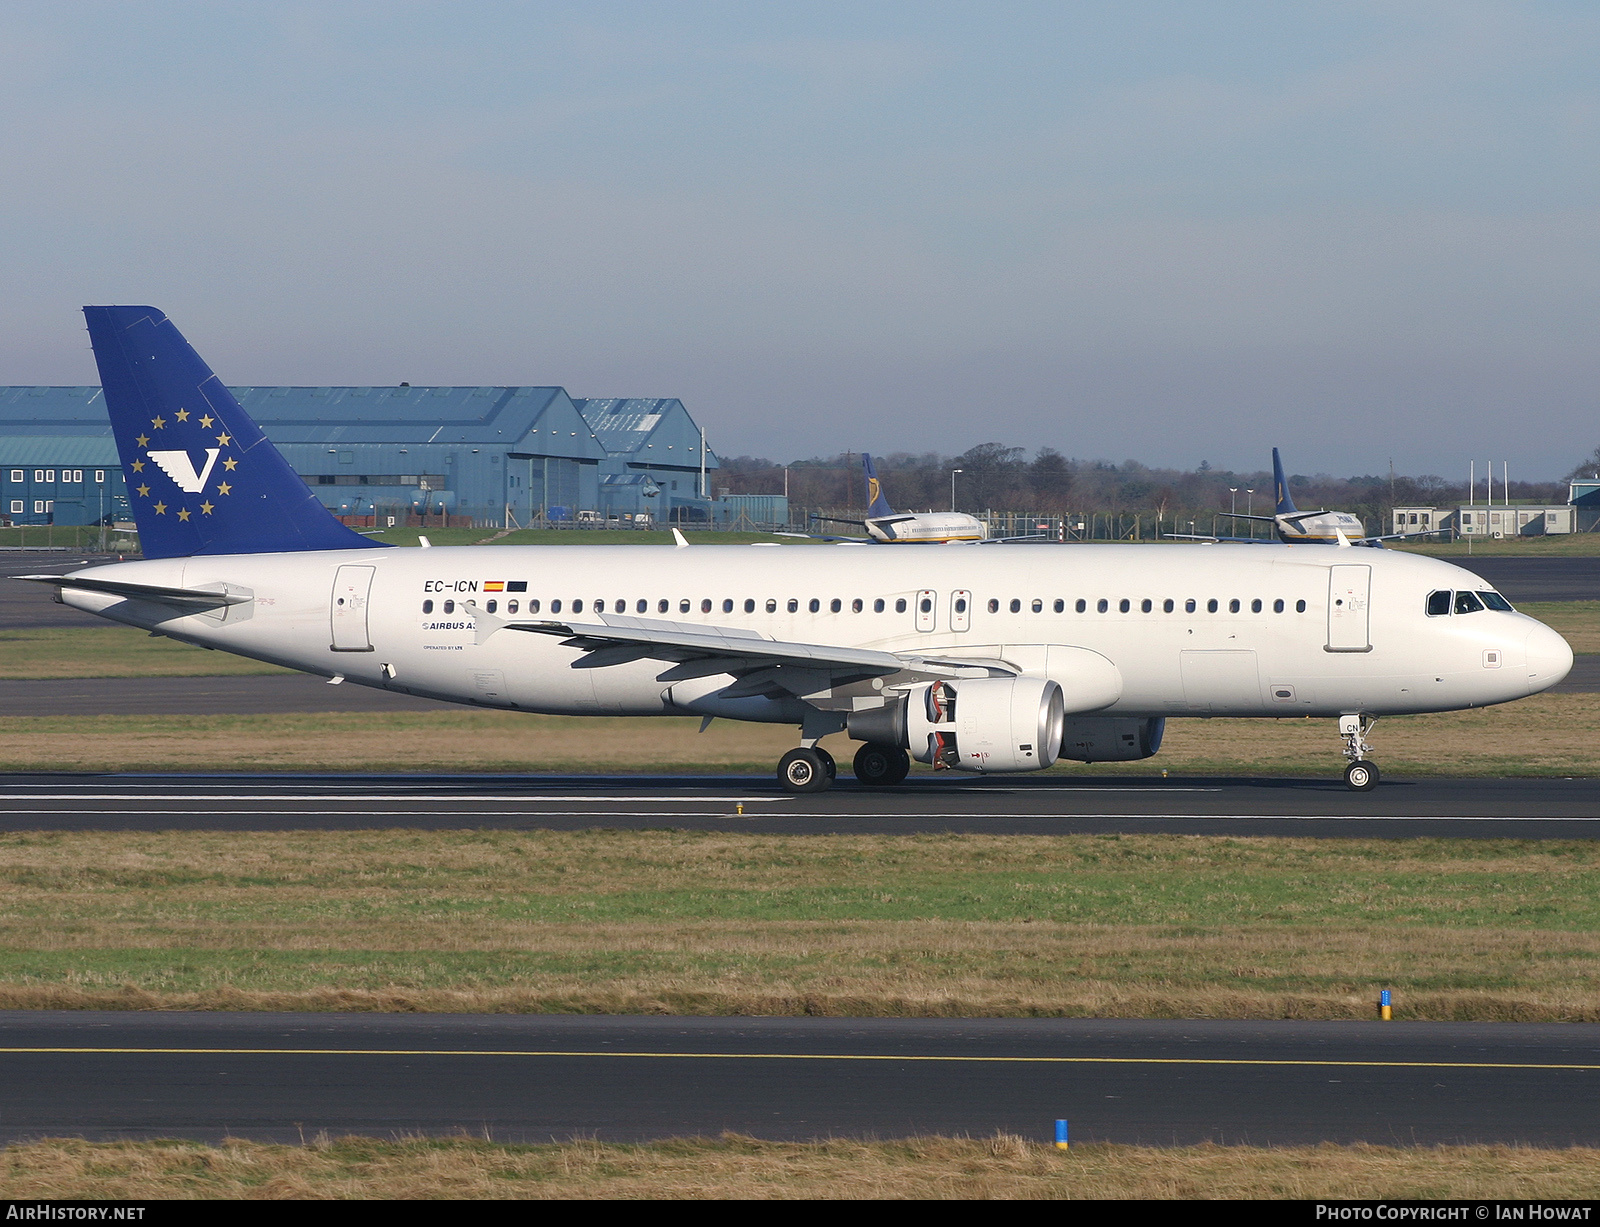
(1384, 1012)
(1061, 1135)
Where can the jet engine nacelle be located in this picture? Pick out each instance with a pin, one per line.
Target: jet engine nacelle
(982, 724)
(1110, 739)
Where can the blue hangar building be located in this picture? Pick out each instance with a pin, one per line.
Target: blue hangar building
(501, 456)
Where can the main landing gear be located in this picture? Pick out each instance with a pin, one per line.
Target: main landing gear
(807, 769)
(812, 769)
(1360, 773)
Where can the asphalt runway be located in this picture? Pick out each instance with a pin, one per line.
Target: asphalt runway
(1538, 579)
(1050, 805)
(533, 1078)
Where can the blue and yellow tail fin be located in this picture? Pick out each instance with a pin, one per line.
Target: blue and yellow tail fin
(1280, 488)
(202, 478)
(877, 505)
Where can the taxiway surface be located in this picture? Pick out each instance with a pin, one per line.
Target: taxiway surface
(1049, 805)
(531, 1078)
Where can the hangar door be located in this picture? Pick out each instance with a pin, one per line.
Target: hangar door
(1349, 608)
(351, 588)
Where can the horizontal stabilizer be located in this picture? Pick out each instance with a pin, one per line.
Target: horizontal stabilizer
(196, 598)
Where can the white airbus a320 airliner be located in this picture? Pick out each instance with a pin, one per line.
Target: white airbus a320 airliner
(969, 658)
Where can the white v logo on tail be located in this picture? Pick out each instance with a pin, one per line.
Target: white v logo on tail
(180, 468)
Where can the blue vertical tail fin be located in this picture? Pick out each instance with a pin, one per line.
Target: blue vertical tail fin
(1280, 487)
(202, 478)
(877, 505)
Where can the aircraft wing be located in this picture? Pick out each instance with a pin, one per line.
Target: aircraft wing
(1219, 540)
(191, 598)
(694, 650)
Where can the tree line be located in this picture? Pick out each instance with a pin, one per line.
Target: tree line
(994, 477)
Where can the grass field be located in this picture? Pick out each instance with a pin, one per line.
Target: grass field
(705, 923)
(999, 1168)
(1552, 734)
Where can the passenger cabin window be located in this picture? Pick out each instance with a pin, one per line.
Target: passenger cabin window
(1166, 606)
(856, 606)
(1438, 604)
(877, 605)
(1016, 605)
(1059, 605)
(961, 605)
(1255, 605)
(577, 606)
(994, 605)
(1467, 602)
(555, 606)
(772, 605)
(1038, 605)
(644, 607)
(1211, 605)
(1102, 605)
(727, 606)
(1123, 605)
(1233, 605)
(1188, 606)
(835, 605)
(1277, 606)
(491, 606)
(793, 606)
(900, 606)
(684, 605)
(749, 606)
(449, 607)
(926, 605)
(705, 605)
(663, 605)
(1145, 606)
(427, 607)
(1081, 605)
(1299, 607)
(814, 605)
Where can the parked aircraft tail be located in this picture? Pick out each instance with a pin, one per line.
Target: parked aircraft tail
(877, 505)
(202, 478)
(1280, 488)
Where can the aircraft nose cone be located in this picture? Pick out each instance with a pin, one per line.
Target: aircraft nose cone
(1549, 658)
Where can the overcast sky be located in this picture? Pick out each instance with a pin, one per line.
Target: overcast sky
(1169, 231)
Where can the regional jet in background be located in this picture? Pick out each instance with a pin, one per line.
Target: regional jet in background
(1295, 527)
(887, 526)
(974, 660)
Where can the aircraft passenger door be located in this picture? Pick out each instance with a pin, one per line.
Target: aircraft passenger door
(927, 609)
(960, 610)
(1349, 608)
(352, 587)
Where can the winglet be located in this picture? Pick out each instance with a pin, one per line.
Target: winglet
(680, 539)
(1344, 541)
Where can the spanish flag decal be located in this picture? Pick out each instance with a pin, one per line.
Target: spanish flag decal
(495, 585)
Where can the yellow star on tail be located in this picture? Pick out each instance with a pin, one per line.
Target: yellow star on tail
(158, 422)
(161, 509)
(205, 421)
(224, 439)
(208, 508)
(230, 464)
(182, 415)
(143, 440)
(183, 513)
(224, 488)
(138, 466)
(144, 490)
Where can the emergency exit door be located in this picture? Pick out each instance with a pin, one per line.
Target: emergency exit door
(352, 586)
(1349, 609)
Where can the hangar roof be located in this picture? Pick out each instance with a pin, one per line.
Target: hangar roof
(646, 430)
(526, 420)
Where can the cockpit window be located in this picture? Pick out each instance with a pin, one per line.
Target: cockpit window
(1467, 602)
(1438, 604)
(1495, 601)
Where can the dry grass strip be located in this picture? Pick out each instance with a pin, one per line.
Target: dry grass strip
(704, 923)
(1004, 1167)
(1552, 734)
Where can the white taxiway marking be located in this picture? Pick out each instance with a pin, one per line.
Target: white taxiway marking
(839, 816)
(378, 797)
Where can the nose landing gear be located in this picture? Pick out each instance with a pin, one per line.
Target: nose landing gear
(1361, 773)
